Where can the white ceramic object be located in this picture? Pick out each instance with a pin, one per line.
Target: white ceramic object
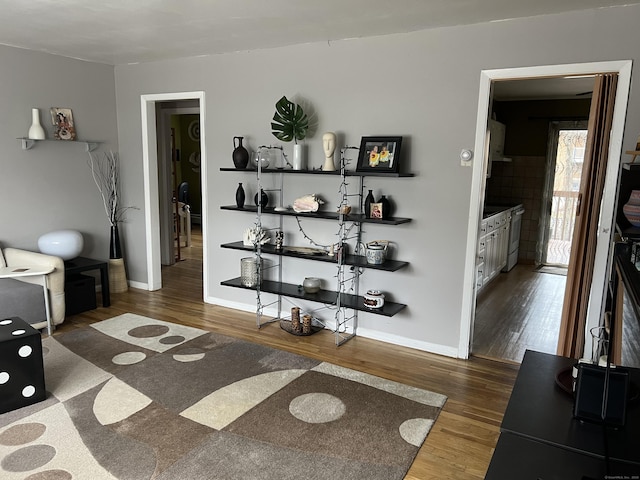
(311, 284)
(36, 132)
(329, 145)
(373, 299)
(66, 244)
(298, 157)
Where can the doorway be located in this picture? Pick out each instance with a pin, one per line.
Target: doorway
(623, 68)
(154, 177)
(567, 142)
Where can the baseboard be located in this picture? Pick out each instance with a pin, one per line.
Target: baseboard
(362, 332)
(139, 285)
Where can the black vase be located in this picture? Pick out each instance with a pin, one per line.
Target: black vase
(264, 199)
(386, 206)
(240, 154)
(240, 196)
(367, 204)
(115, 251)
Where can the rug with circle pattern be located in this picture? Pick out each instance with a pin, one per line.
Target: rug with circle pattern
(136, 398)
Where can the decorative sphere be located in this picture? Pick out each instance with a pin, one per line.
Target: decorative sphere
(66, 244)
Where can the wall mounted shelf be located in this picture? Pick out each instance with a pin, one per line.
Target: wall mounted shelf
(348, 173)
(329, 297)
(351, 260)
(324, 215)
(28, 143)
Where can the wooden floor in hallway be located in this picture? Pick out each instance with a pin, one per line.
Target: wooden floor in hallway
(518, 310)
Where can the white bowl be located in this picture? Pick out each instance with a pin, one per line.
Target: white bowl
(66, 244)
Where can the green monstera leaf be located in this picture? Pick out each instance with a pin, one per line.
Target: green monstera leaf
(289, 122)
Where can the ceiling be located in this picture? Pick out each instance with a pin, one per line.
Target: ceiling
(132, 31)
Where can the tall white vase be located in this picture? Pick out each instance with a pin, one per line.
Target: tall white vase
(298, 157)
(36, 132)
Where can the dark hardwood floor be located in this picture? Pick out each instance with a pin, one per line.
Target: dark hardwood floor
(522, 309)
(460, 443)
(518, 310)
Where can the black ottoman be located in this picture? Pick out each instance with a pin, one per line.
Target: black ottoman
(21, 368)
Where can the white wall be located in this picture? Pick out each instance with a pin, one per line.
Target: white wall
(423, 86)
(49, 187)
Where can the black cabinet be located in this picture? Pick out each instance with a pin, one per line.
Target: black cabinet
(79, 294)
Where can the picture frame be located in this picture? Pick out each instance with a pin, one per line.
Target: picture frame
(379, 154)
(62, 120)
(375, 211)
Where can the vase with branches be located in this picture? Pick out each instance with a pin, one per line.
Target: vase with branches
(106, 175)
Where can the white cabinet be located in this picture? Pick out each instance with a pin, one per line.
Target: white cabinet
(493, 247)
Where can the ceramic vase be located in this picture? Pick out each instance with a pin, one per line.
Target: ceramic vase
(386, 206)
(115, 250)
(36, 132)
(240, 154)
(367, 204)
(298, 157)
(631, 209)
(264, 199)
(240, 196)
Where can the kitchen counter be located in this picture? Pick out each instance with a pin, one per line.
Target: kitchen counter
(491, 210)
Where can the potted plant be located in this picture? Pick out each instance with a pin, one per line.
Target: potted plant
(290, 123)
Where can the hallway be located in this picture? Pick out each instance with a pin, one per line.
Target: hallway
(519, 310)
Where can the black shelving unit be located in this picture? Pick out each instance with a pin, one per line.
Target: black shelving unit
(321, 215)
(351, 260)
(346, 301)
(328, 297)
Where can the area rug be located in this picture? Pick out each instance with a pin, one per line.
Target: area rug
(136, 398)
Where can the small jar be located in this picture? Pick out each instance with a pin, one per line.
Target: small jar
(373, 299)
(311, 285)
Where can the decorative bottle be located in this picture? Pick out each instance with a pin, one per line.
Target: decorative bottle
(240, 196)
(264, 199)
(240, 154)
(367, 204)
(36, 132)
(386, 206)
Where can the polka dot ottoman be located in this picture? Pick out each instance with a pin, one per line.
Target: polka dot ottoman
(21, 369)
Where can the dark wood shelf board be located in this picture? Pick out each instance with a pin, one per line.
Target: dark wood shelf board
(349, 173)
(350, 260)
(322, 215)
(323, 296)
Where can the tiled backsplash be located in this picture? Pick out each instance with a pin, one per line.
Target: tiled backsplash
(520, 181)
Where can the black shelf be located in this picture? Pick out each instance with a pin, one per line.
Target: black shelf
(389, 309)
(349, 173)
(323, 215)
(351, 260)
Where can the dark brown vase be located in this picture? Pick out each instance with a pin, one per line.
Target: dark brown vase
(240, 154)
(264, 199)
(386, 206)
(240, 196)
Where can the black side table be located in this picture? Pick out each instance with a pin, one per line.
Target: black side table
(84, 264)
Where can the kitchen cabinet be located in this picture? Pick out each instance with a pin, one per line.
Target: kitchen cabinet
(493, 247)
(350, 266)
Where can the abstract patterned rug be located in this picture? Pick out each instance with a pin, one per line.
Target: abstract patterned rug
(136, 398)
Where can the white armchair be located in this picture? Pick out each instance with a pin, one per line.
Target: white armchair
(10, 306)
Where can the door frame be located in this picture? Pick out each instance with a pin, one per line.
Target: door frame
(151, 185)
(607, 215)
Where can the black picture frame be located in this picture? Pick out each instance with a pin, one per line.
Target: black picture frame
(372, 156)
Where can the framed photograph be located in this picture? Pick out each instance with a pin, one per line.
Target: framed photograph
(379, 154)
(376, 210)
(62, 120)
